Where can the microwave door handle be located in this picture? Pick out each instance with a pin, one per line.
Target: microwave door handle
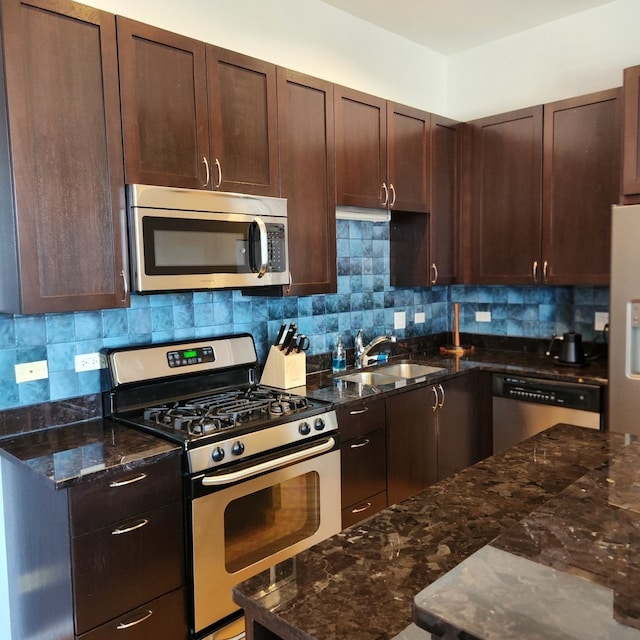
(264, 247)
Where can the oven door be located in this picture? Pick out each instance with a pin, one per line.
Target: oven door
(244, 527)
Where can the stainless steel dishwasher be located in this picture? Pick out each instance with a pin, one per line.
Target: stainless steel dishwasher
(524, 406)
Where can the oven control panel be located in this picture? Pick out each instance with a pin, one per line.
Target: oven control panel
(190, 356)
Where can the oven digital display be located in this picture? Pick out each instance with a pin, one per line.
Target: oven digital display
(186, 357)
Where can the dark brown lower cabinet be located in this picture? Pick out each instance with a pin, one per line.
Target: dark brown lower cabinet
(98, 565)
(363, 460)
(432, 433)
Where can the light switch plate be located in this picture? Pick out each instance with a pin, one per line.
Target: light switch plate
(28, 371)
(483, 316)
(601, 318)
(420, 317)
(399, 320)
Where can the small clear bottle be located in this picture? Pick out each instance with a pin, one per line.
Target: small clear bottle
(339, 359)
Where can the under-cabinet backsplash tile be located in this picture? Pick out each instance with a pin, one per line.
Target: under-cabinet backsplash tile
(364, 299)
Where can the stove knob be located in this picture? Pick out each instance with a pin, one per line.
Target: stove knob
(319, 424)
(304, 429)
(238, 448)
(217, 454)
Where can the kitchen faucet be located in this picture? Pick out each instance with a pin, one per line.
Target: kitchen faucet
(362, 353)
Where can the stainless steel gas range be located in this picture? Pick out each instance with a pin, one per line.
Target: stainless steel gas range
(262, 465)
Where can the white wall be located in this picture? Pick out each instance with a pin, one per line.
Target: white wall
(5, 621)
(568, 57)
(308, 36)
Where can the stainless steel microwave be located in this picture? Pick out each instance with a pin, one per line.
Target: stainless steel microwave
(189, 240)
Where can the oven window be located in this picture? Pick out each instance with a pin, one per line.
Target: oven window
(260, 524)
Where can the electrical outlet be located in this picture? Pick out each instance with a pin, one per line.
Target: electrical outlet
(89, 362)
(399, 320)
(483, 316)
(28, 371)
(602, 318)
(420, 317)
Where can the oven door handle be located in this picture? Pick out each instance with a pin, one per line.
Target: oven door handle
(270, 465)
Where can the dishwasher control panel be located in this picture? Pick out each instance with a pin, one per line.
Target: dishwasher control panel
(572, 395)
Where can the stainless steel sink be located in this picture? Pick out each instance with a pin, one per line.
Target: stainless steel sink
(371, 378)
(408, 370)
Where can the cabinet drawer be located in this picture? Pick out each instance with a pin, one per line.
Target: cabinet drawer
(364, 509)
(364, 469)
(161, 619)
(121, 495)
(126, 564)
(357, 419)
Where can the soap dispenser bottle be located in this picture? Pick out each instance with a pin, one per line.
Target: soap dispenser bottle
(339, 359)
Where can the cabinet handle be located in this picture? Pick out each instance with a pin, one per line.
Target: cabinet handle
(123, 483)
(393, 195)
(364, 507)
(534, 271)
(219, 170)
(434, 406)
(545, 267)
(205, 162)
(126, 625)
(357, 445)
(385, 202)
(125, 286)
(441, 403)
(434, 273)
(119, 532)
(357, 412)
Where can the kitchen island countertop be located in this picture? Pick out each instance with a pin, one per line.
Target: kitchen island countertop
(548, 502)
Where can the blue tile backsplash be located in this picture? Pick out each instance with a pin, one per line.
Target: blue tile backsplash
(364, 299)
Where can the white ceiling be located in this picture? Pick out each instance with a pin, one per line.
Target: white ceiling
(451, 26)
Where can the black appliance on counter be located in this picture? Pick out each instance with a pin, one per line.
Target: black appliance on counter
(262, 465)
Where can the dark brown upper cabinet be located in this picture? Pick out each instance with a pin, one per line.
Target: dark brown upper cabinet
(194, 115)
(581, 181)
(502, 210)
(307, 168)
(542, 185)
(424, 248)
(62, 195)
(631, 138)
(382, 153)
(243, 121)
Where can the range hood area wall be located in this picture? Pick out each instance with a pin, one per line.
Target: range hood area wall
(364, 299)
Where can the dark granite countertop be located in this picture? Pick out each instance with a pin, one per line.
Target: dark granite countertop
(361, 583)
(326, 386)
(67, 454)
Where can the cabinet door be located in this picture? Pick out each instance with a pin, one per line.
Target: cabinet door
(408, 142)
(504, 206)
(363, 467)
(63, 105)
(581, 182)
(361, 149)
(631, 141)
(243, 123)
(411, 443)
(459, 431)
(164, 106)
(307, 169)
(445, 141)
(409, 256)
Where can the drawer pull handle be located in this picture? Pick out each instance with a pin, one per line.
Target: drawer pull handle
(127, 625)
(357, 445)
(119, 532)
(123, 483)
(364, 507)
(357, 412)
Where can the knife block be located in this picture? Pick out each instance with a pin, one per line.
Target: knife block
(282, 371)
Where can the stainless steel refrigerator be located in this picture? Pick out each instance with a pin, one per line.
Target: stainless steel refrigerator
(624, 321)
